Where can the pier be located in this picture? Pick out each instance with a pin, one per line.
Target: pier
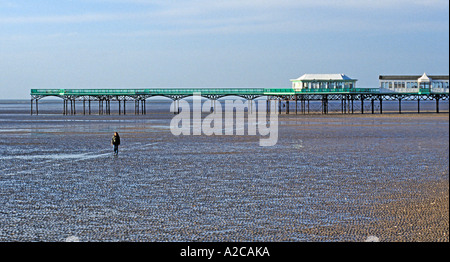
(348, 98)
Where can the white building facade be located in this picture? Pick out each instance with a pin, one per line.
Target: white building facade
(323, 82)
(414, 83)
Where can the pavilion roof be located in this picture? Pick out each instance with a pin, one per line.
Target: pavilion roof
(323, 77)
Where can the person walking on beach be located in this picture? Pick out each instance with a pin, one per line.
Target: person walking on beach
(115, 141)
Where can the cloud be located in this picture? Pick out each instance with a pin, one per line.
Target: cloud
(58, 19)
(146, 17)
(283, 3)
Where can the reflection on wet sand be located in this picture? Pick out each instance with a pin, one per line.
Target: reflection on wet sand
(329, 178)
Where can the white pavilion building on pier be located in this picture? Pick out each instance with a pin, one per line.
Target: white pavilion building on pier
(414, 83)
(323, 82)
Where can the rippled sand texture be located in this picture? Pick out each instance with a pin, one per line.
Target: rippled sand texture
(329, 178)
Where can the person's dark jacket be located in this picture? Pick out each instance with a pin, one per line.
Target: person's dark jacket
(115, 140)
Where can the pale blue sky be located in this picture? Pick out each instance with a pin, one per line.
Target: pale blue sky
(204, 43)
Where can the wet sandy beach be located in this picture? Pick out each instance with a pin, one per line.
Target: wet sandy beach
(329, 178)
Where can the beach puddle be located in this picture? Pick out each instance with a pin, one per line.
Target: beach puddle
(60, 156)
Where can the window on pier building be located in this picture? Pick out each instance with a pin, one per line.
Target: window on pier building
(437, 84)
(424, 85)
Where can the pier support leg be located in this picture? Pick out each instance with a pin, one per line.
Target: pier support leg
(308, 106)
(362, 104)
(399, 105)
(381, 105)
(136, 107)
(305, 105)
(347, 104)
(352, 105)
(324, 106)
(418, 105)
(301, 105)
(373, 109)
(31, 112)
(287, 106)
(89, 105)
(437, 104)
(84, 106)
(344, 99)
(279, 106)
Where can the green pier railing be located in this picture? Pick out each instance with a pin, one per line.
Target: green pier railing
(191, 91)
(213, 91)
